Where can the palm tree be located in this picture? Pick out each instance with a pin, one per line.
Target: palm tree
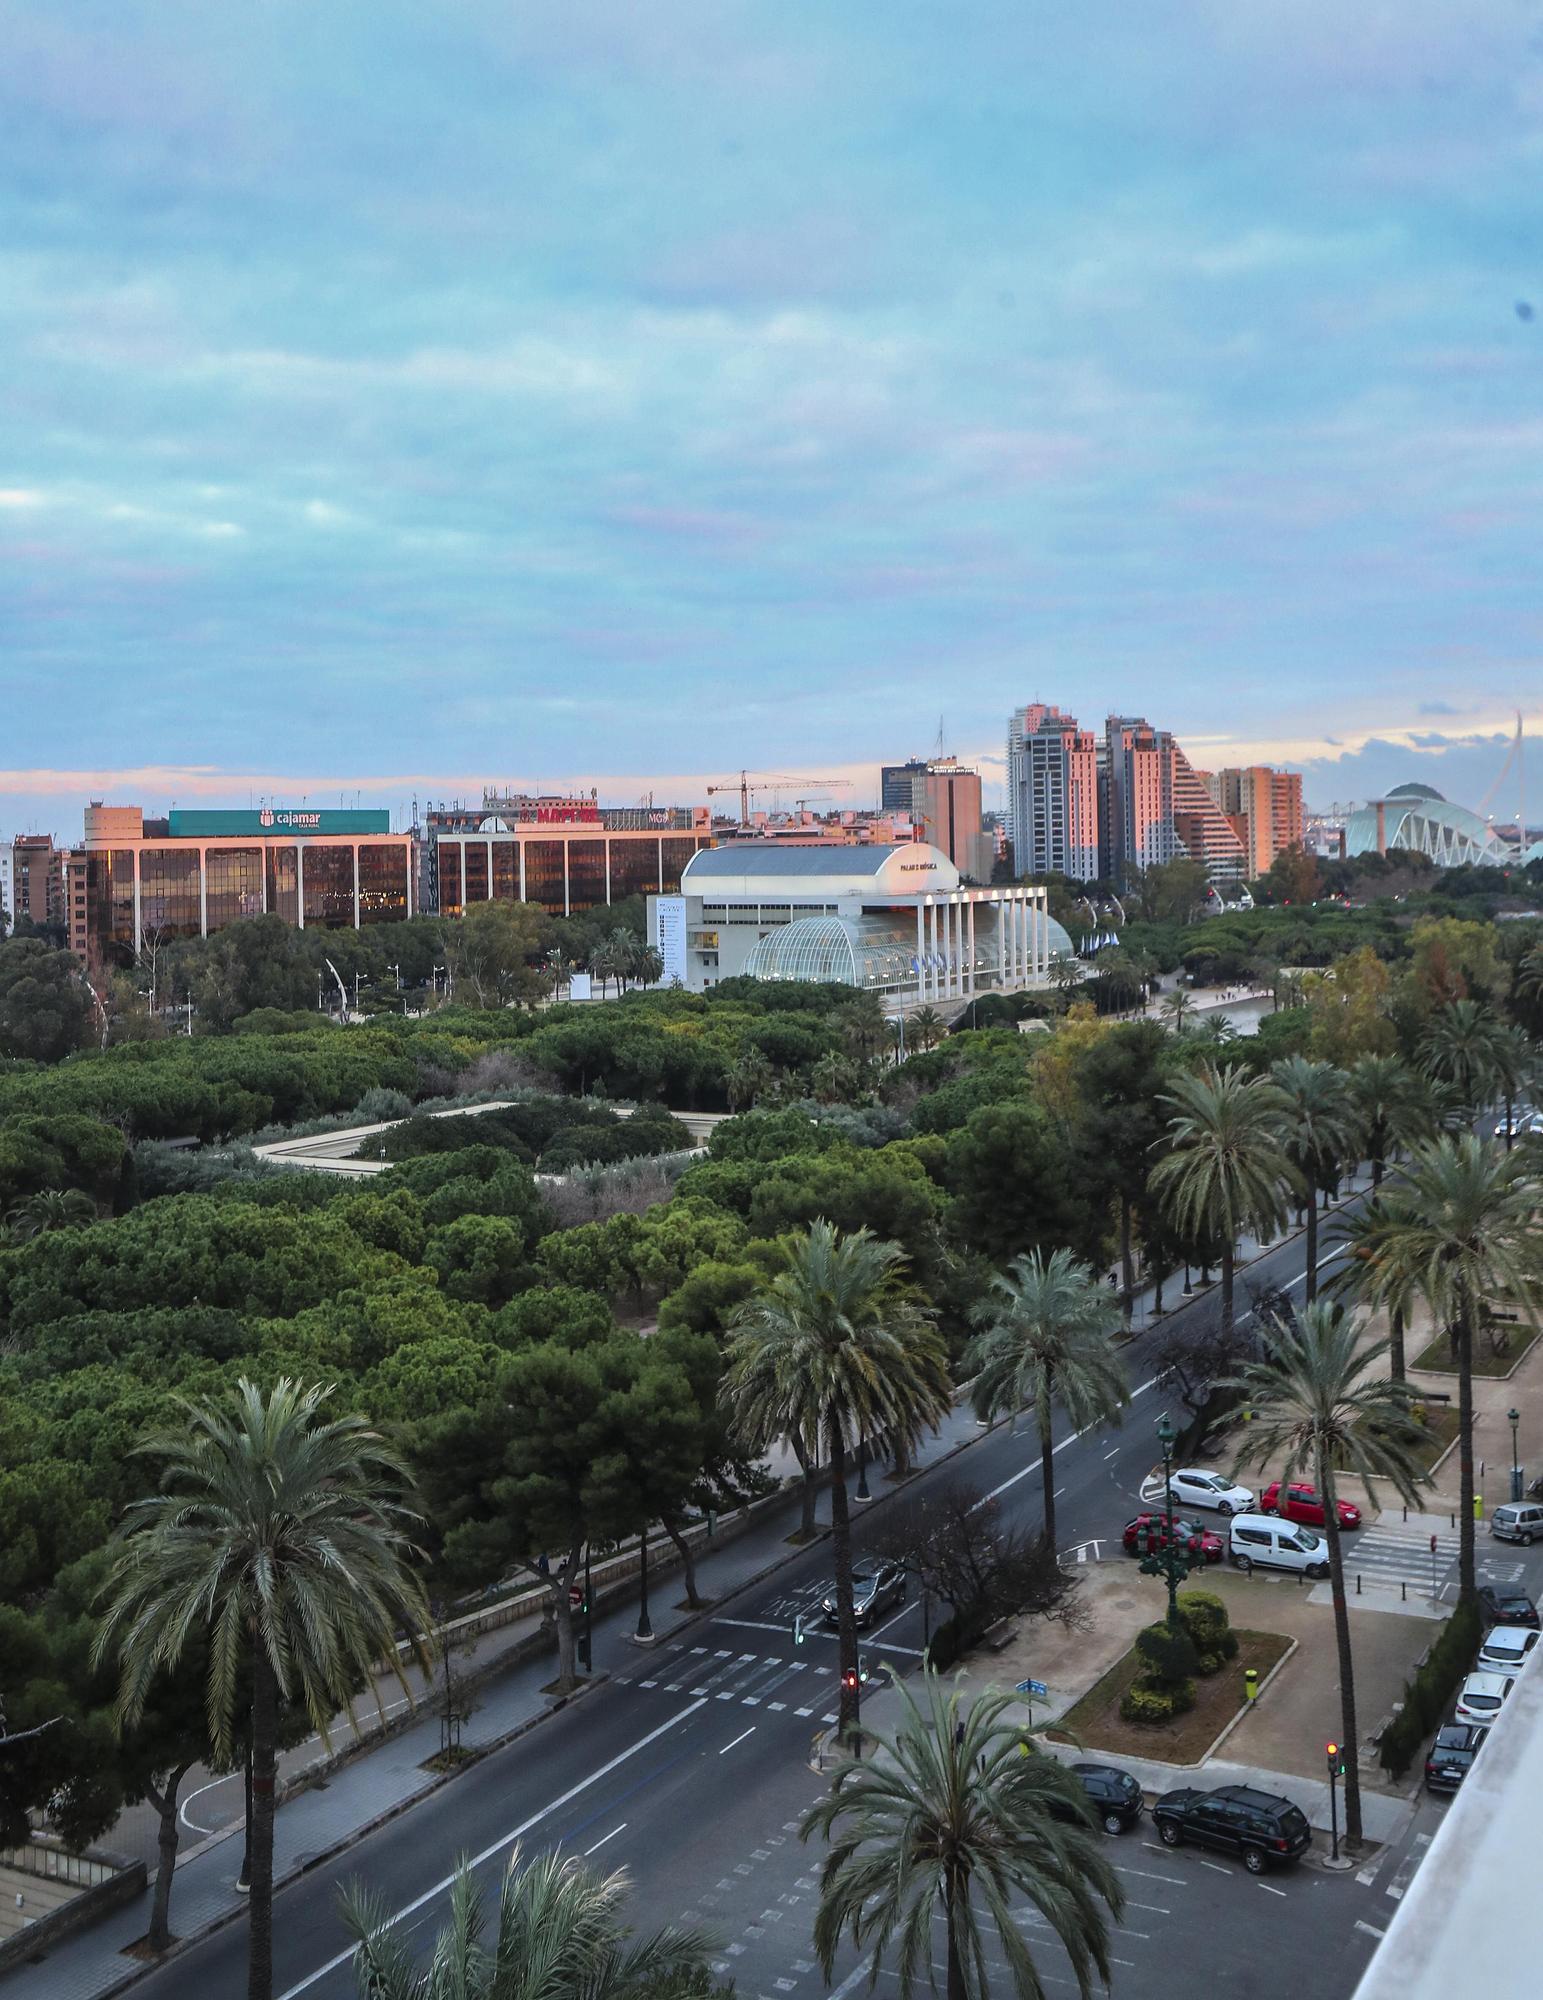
(50, 1209)
(1322, 1132)
(560, 1935)
(1178, 1005)
(1321, 1406)
(1461, 1048)
(835, 1079)
(1226, 1169)
(283, 1538)
(1458, 1228)
(954, 1811)
(1048, 1332)
(927, 1028)
(1066, 973)
(1515, 1063)
(648, 966)
(749, 1077)
(831, 1352)
(1394, 1107)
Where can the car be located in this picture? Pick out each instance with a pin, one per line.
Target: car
(1452, 1754)
(1113, 1794)
(1148, 1532)
(1264, 1541)
(1192, 1487)
(1299, 1502)
(875, 1587)
(1481, 1697)
(1263, 1828)
(1517, 1521)
(1505, 1604)
(1505, 1650)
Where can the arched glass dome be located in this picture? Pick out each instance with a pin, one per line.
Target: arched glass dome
(1416, 820)
(871, 952)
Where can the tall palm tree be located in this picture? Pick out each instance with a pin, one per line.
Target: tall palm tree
(1515, 1066)
(1178, 1005)
(1461, 1048)
(927, 1028)
(1048, 1332)
(1393, 1104)
(950, 1814)
(831, 1352)
(283, 1537)
(560, 1935)
(648, 967)
(749, 1077)
(1226, 1169)
(1321, 1405)
(50, 1209)
(1322, 1132)
(1459, 1227)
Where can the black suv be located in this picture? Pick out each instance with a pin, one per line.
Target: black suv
(1452, 1753)
(1112, 1793)
(1264, 1829)
(1504, 1604)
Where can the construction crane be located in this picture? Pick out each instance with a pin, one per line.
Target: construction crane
(770, 781)
(1514, 762)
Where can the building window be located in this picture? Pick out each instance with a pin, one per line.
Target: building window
(674, 854)
(475, 853)
(544, 875)
(382, 884)
(283, 865)
(449, 856)
(329, 885)
(634, 866)
(586, 874)
(506, 871)
(235, 884)
(169, 904)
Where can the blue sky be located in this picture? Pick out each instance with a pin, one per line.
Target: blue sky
(579, 390)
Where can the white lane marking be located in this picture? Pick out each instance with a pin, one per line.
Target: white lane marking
(1371, 1929)
(737, 1741)
(1291, 1284)
(1006, 1484)
(497, 1846)
(1147, 1875)
(803, 1711)
(1407, 1866)
(1156, 1908)
(1058, 1492)
(878, 1629)
(1216, 1865)
(603, 1839)
(855, 1978)
(1270, 1888)
(1111, 1454)
(232, 1777)
(761, 1625)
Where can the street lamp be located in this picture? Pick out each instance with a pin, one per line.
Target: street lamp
(862, 1466)
(645, 1631)
(1515, 1417)
(1170, 1562)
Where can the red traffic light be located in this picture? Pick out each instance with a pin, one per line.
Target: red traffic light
(849, 1679)
(1333, 1749)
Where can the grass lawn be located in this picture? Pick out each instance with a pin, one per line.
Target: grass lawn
(1097, 1724)
(1437, 1358)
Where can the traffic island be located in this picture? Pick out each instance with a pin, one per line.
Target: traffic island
(1095, 1722)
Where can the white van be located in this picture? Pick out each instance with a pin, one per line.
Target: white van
(1271, 1543)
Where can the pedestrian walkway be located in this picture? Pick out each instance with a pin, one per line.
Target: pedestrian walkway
(1392, 1556)
(754, 1680)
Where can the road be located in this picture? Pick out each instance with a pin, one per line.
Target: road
(690, 1767)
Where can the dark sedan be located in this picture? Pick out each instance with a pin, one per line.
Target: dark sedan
(875, 1587)
(1113, 1794)
(1504, 1604)
(1452, 1754)
(1263, 1829)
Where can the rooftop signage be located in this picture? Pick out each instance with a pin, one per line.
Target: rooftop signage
(270, 820)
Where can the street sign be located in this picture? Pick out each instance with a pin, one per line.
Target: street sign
(1031, 1687)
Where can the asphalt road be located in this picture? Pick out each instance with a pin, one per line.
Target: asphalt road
(690, 1768)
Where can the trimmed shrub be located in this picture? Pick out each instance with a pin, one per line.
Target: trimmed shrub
(1208, 1625)
(1168, 1658)
(1142, 1702)
(1430, 1688)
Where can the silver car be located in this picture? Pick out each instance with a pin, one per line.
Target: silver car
(1505, 1650)
(875, 1587)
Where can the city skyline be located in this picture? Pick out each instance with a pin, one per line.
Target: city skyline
(628, 397)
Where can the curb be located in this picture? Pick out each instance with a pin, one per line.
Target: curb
(341, 1846)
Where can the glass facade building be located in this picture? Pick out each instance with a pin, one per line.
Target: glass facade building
(567, 870)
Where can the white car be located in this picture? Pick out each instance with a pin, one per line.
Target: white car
(1193, 1488)
(1481, 1698)
(1505, 1649)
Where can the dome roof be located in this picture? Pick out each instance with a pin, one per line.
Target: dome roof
(1417, 820)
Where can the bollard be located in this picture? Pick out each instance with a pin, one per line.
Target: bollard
(1250, 1683)
(1358, 1583)
(1478, 1506)
(1403, 1591)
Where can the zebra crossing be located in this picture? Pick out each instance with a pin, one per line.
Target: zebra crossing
(753, 1680)
(1398, 1558)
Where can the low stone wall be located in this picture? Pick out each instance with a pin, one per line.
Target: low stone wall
(78, 1909)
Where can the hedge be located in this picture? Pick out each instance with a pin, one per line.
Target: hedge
(1430, 1688)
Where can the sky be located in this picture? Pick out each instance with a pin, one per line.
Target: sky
(396, 398)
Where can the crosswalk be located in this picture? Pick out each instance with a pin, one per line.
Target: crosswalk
(753, 1680)
(1395, 1557)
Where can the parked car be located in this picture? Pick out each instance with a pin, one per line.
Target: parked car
(1263, 1828)
(1298, 1502)
(1452, 1754)
(1505, 1649)
(1150, 1531)
(875, 1587)
(1264, 1541)
(1518, 1521)
(1481, 1697)
(1113, 1794)
(1505, 1604)
(1194, 1488)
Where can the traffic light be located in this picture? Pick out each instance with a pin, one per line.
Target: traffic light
(849, 1682)
(862, 1670)
(1336, 1761)
(798, 1630)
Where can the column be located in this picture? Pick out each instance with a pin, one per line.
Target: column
(521, 846)
(969, 946)
(85, 876)
(607, 871)
(921, 957)
(567, 891)
(410, 859)
(203, 892)
(1042, 935)
(300, 885)
(934, 987)
(490, 870)
(1001, 909)
(355, 846)
(262, 872)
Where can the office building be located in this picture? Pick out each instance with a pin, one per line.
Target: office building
(34, 880)
(1264, 807)
(1205, 832)
(896, 921)
(846, 827)
(194, 872)
(1052, 794)
(942, 797)
(1136, 798)
(566, 854)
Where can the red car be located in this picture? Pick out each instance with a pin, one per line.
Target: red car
(1301, 1503)
(1149, 1532)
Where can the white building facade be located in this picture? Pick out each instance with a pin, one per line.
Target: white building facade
(892, 920)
